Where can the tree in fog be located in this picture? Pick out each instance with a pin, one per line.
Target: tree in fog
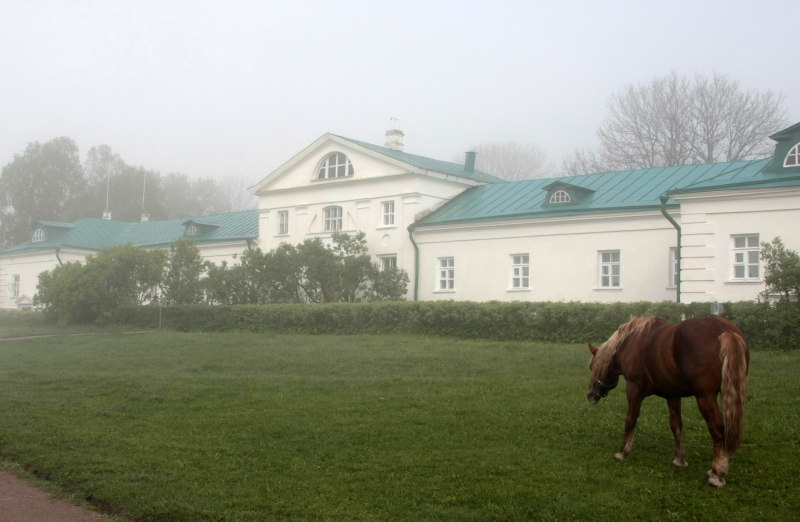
(674, 120)
(165, 197)
(510, 160)
(44, 182)
(124, 185)
(187, 197)
(236, 187)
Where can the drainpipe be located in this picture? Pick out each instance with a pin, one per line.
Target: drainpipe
(416, 259)
(249, 244)
(59, 259)
(664, 198)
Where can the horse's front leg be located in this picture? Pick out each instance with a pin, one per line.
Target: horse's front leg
(635, 398)
(719, 467)
(676, 424)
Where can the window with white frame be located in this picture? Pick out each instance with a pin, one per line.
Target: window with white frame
(333, 218)
(746, 253)
(559, 196)
(191, 230)
(337, 165)
(388, 262)
(15, 285)
(609, 269)
(673, 267)
(38, 235)
(447, 273)
(388, 213)
(520, 271)
(283, 222)
(793, 158)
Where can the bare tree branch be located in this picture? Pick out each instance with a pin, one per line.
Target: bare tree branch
(235, 186)
(676, 121)
(511, 160)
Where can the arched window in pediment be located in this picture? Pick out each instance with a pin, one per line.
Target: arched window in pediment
(191, 230)
(560, 196)
(336, 165)
(793, 158)
(38, 235)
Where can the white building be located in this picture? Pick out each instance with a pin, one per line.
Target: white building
(463, 234)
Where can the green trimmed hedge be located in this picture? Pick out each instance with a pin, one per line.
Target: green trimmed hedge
(14, 318)
(766, 327)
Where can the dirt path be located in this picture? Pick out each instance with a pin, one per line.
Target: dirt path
(21, 502)
(71, 335)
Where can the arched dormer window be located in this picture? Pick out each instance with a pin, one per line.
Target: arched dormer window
(560, 196)
(333, 218)
(191, 230)
(336, 165)
(793, 158)
(38, 235)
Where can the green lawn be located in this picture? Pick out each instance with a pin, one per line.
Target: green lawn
(245, 427)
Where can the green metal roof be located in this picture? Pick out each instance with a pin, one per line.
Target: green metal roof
(96, 234)
(622, 191)
(445, 167)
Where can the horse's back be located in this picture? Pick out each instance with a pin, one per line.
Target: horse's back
(684, 357)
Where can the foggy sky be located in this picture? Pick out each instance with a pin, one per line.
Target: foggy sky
(218, 88)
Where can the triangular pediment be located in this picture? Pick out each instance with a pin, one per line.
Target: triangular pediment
(367, 161)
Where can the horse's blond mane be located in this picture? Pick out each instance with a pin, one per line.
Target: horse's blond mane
(605, 354)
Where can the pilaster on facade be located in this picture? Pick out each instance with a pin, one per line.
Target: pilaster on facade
(697, 258)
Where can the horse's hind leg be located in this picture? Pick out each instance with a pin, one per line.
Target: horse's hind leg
(719, 467)
(676, 424)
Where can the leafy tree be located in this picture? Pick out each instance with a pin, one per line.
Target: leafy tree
(782, 270)
(121, 275)
(285, 265)
(676, 121)
(45, 182)
(182, 282)
(390, 284)
(186, 197)
(321, 271)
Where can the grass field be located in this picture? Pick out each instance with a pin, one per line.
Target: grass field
(245, 427)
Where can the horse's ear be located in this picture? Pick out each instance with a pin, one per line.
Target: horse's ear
(593, 349)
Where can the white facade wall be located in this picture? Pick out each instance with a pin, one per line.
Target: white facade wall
(361, 197)
(563, 253)
(711, 219)
(28, 266)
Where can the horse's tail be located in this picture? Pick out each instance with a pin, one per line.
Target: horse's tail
(734, 353)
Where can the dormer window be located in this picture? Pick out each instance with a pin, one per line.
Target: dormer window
(38, 235)
(337, 165)
(793, 158)
(560, 196)
(191, 230)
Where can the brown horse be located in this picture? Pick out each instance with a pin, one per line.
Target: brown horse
(697, 357)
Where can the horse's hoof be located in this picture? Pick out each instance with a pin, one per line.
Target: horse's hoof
(620, 456)
(679, 463)
(714, 480)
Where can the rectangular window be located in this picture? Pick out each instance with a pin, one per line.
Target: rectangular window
(15, 285)
(333, 218)
(283, 222)
(609, 269)
(447, 270)
(388, 213)
(388, 262)
(673, 267)
(520, 271)
(746, 252)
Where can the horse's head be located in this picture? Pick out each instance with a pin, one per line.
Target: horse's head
(603, 379)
